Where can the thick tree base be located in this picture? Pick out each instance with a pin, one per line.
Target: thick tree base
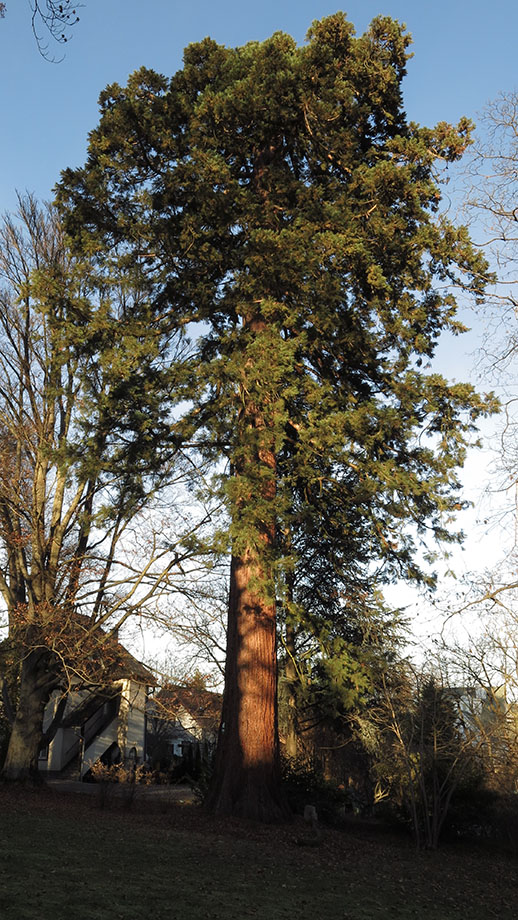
(37, 680)
(249, 797)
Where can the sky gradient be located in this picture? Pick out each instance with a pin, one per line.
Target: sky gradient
(463, 56)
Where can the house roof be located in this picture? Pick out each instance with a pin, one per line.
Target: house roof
(128, 666)
(106, 649)
(204, 706)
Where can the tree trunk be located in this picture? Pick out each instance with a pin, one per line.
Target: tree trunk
(291, 678)
(36, 684)
(246, 781)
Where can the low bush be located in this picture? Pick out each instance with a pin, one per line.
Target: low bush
(128, 778)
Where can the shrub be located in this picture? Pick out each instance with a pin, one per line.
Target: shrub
(128, 778)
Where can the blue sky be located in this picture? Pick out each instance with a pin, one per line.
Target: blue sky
(465, 52)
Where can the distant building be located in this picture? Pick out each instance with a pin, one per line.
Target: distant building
(183, 721)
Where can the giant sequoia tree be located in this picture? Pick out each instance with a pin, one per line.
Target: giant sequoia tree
(276, 196)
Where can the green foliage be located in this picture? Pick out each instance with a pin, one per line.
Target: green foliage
(278, 195)
(338, 660)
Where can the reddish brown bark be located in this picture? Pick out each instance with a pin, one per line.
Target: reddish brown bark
(246, 780)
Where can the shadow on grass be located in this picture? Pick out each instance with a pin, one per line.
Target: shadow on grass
(62, 856)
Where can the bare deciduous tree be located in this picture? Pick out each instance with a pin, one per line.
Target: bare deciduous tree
(424, 745)
(96, 526)
(51, 18)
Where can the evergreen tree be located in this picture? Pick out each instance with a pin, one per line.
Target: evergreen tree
(277, 196)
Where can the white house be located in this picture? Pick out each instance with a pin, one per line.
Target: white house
(100, 723)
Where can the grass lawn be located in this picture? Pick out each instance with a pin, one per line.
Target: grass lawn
(63, 858)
